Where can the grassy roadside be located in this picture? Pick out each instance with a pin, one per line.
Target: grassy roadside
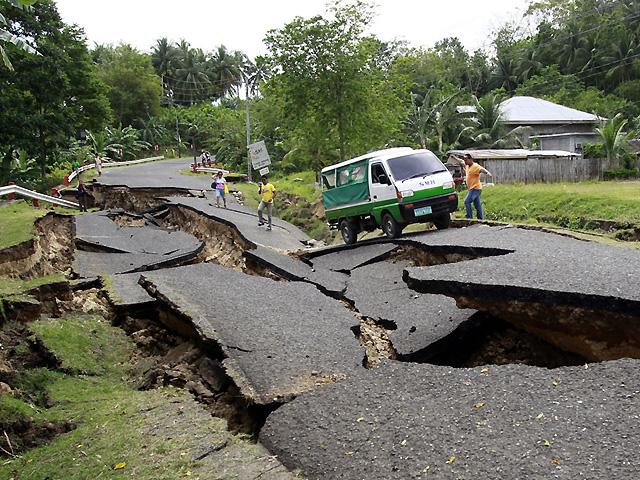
(569, 205)
(120, 431)
(16, 222)
(298, 202)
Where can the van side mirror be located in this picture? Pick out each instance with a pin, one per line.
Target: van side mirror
(382, 178)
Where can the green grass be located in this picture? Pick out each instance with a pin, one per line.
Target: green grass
(16, 222)
(83, 343)
(155, 434)
(298, 194)
(570, 205)
(15, 286)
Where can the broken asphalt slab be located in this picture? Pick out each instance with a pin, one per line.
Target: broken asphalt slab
(293, 269)
(125, 293)
(97, 232)
(284, 236)
(580, 296)
(345, 259)
(278, 339)
(418, 322)
(410, 421)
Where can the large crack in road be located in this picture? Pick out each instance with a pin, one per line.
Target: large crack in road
(374, 359)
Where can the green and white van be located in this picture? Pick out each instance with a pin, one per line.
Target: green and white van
(388, 189)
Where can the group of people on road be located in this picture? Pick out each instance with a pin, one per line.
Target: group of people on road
(266, 191)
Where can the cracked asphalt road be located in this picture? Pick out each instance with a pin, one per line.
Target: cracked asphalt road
(288, 339)
(408, 421)
(275, 345)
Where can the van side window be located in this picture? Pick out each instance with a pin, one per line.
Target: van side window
(329, 180)
(376, 171)
(352, 174)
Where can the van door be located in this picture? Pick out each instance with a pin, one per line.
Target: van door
(381, 189)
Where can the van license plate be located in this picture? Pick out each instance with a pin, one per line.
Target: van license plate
(419, 212)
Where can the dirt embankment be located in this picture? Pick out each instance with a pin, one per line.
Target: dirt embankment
(49, 252)
(133, 199)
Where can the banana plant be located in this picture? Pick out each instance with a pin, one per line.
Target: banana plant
(8, 37)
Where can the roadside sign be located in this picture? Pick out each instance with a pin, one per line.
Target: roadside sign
(258, 155)
(264, 171)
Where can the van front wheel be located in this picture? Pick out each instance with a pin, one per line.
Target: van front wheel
(390, 227)
(442, 221)
(348, 231)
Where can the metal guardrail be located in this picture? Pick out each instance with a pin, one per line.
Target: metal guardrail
(89, 166)
(211, 170)
(23, 192)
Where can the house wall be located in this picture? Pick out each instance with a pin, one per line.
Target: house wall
(551, 128)
(546, 170)
(566, 144)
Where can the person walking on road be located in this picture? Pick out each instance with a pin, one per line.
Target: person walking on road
(267, 193)
(82, 195)
(98, 165)
(474, 186)
(220, 187)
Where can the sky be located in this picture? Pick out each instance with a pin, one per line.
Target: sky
(242, 25)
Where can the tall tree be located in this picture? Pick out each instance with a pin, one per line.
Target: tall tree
(56, 93)
(332, 83)
(134, 88)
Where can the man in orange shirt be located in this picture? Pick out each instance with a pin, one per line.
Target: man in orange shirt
(474, 186)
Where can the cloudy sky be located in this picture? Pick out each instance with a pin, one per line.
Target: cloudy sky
(242, 25)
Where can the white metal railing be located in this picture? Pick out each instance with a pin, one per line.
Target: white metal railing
(211, 170)
(23, 192)
(89, 166)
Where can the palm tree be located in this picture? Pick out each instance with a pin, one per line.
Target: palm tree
(615, 140)
(528, 64)
(226, 70)
(164, 57)
(127, 139)
(505, 74)
(435, 119)
(488, 129)
(192, 80)
(622, 54)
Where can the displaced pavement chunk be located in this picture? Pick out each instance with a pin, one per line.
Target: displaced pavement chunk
(421, 421)
(289, 268)
(378, 292)
(580, 296)
(284, 236)
(279, 339)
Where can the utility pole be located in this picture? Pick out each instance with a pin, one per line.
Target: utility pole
(248, 126)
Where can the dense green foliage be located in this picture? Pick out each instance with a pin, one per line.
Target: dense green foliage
(327, 89)
(50, 96)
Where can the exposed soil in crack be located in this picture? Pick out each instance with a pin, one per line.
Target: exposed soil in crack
(49, 252)
(168, 358)
(374, 338)
(136, 200)
(223, 244)
(20, 352)
(486, 340)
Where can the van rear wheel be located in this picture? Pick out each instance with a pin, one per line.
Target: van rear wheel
(348, 231)
(390, 227)
(442, 221)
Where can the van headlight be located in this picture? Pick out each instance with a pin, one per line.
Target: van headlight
(447, 185)
(406, 193)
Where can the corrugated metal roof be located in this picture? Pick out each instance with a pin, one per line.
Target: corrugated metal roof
(531, 111)
(515, 154)
(559, 135)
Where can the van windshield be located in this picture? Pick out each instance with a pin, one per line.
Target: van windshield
(416, 165)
